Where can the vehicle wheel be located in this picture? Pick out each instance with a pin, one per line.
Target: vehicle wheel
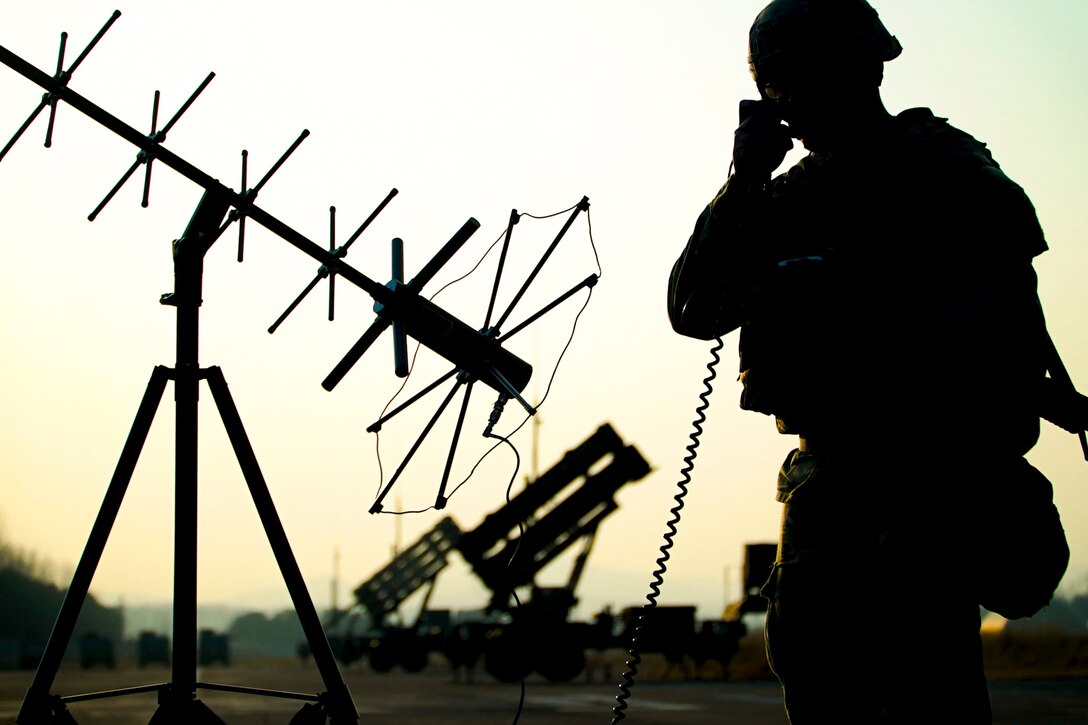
(562, 664)
(383, 657)
(505, 661)
(413, 656)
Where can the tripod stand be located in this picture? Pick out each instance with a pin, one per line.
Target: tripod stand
(178, 702)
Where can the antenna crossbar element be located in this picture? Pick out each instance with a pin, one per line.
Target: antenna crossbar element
(147, 154)
(327, 271)
(582, 205)
(239, 213)
(62, 77)
(400, 338)
(514, 217)
(377, 425)
(376, 507)
(588, 283)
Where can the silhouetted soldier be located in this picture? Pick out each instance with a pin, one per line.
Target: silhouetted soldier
(888, 316)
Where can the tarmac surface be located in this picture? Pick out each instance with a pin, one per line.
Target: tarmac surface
(435, 696)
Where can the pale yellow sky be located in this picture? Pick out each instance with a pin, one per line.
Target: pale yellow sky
(470, 109)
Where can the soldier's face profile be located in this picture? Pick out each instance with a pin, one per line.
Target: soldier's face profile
(804, 104)
(817, 103)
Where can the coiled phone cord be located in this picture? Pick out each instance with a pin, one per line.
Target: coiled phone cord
(619, 711)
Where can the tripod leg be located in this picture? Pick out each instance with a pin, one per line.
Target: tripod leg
(341, 706)
(36, 704)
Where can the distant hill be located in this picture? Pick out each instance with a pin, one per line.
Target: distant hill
(29, 605)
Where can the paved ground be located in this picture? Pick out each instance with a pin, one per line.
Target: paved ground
(434, 697)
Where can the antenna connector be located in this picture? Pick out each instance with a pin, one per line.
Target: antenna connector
(496, 413)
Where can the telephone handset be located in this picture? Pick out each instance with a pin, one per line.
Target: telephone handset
(749, 108)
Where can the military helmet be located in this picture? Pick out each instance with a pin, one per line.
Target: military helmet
(789, 35)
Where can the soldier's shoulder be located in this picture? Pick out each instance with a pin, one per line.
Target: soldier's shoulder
(926, 136)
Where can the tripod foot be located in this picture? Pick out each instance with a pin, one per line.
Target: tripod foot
(310, 714)
(44, 709)
(193, 712)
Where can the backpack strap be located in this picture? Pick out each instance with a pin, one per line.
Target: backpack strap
(1062, 405)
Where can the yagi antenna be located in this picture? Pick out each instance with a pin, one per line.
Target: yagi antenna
(61, 77)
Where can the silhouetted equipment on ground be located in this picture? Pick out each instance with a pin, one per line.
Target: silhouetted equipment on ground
(152, 648)
(214, 648)
(96, 650)
(673, 632)
(505, 551)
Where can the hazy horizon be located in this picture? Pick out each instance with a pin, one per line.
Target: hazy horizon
(469, 109)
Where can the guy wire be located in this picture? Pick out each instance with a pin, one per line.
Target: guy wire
(619, 711)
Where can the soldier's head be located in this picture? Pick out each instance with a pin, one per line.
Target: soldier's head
(818, 59)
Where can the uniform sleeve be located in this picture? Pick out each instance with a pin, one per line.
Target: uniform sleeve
(716, 281)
